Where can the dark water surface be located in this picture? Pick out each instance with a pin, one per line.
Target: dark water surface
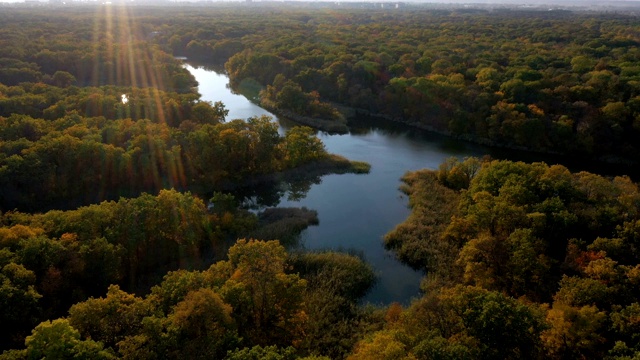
(355, 211)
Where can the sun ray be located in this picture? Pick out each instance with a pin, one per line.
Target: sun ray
(122, 57)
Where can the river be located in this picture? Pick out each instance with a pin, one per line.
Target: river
(355, 211)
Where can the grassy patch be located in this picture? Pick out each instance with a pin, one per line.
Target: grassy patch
(360, 167)
(284, 224)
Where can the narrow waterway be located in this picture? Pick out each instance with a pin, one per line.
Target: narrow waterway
(355, 211)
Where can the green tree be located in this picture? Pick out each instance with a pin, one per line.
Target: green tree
(504, 327)
(204, 112)
(19, 303)
(302, 146)
(63, 79)
(58, 340)
(174, 288)
(110, 319)
(262, 353)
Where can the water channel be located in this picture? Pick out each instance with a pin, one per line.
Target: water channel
(355, 211)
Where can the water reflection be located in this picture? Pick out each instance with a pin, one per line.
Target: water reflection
(213, 86)
(271, 193)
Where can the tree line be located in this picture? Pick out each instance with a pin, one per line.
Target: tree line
(83, 145)
(86, 47)
(549, 81)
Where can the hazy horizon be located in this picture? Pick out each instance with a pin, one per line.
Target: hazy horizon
(446, 2)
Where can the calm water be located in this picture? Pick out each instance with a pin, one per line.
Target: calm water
(355, 211)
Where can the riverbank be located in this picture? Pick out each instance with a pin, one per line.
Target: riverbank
(338, 126)
(332, 164)
(608, 165)
(284, 224)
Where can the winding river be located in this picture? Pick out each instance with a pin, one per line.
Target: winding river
(355, 211)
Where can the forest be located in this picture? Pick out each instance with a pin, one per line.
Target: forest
(548, 81)
(122, 234)
(558, 81)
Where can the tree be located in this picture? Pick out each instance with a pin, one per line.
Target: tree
(174, 288)
(382, 346)
(267, 302)
(58, 340)
(457, 175)
(110, 319)
(19, 306)
(575, 332)
(292, 97)
(262, 353)
(204, 112)
(504, 327)
(203, 325)
(63, 79)
(625, 324)
(302, 146)
(268, 152)
(460, 322)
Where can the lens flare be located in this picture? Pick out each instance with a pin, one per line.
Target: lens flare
(123, 56)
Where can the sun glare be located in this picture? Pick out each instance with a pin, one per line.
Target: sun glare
(125, 58)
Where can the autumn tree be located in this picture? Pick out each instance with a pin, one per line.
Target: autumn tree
(267, 302)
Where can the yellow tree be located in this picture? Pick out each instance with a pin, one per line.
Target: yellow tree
(574, 332)
(267, 303)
